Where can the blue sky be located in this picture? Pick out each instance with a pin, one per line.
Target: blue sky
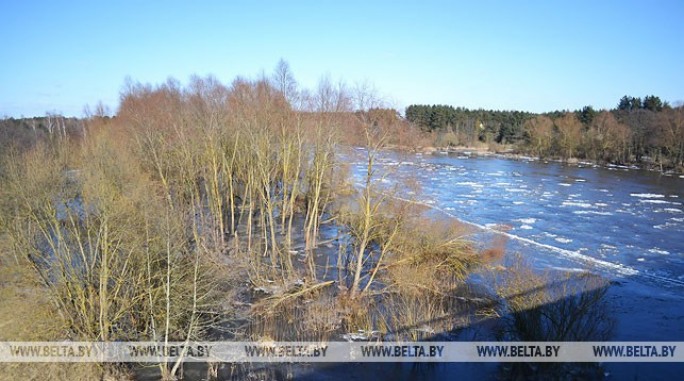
(528, 55)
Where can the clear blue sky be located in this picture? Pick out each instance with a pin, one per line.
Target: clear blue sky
(528, 55)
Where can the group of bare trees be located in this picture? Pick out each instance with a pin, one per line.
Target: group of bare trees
(146, 226)
(604, 140)
(134, 226)
(618, 136)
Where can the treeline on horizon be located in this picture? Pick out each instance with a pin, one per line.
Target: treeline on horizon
(648, 132)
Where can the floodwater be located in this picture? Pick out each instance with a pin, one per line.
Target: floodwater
(622, 222)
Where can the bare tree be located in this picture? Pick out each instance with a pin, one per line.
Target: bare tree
(285, 82)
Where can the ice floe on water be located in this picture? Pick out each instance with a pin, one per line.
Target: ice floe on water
(585, 212)
(518, 202)
(470, 183)
(663, 226)
(563, 240)
(577, 204)
(647, 195)
(656, 250)
(649, 201)
(565, 184)
(568, 269)
(529, 220)
(466, 195)
(526, 227)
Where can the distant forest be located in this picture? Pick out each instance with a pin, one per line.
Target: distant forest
(648, 132)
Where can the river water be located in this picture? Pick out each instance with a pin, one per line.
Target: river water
(622, 222)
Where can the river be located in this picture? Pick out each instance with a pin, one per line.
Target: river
(623, 222)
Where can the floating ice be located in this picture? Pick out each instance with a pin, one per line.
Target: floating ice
(470, 183)
(584, 212)
(654, 202)
(577, 204)
(568, 269)
(563, 240)
(656, 250)
(564, 184)
(647, 195)
(529, 220)
(526, 227)
(360, 335)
